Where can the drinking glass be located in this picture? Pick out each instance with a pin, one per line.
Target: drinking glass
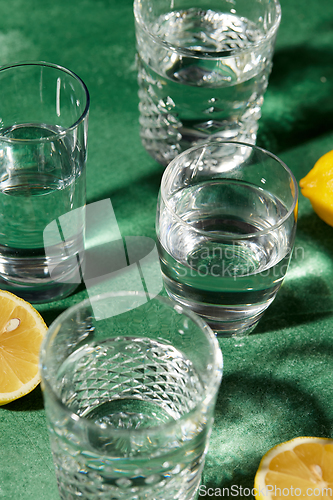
(226, 222)
(203, 68)
(43, 139)
(129, 389)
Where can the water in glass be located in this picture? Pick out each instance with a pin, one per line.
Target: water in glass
(217, 93)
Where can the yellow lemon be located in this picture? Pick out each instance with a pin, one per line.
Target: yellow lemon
(302, 467)
(317, 185)
(21, 332)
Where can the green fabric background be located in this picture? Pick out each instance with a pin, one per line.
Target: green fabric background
(277, 383)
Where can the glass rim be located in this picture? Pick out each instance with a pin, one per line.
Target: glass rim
(210, 389)
(207, 54)
(64, 132)
(229, 235)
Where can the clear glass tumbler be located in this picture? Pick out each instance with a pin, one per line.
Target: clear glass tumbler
(43, 140)
(203, 68)
(129, 389)
(226, 222)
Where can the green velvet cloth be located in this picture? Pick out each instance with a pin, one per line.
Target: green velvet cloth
(278, 382)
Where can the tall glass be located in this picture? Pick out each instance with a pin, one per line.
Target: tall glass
(203, 68)
(226, 223)
(43, 141)
(129, 387)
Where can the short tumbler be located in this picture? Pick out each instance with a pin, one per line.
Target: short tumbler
(203, 68)
(43, 136)
(226, 223)
(129, 389)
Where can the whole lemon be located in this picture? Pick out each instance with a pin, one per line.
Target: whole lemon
(317, 185)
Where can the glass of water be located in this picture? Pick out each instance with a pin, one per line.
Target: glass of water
(203, 68)
(129, 388)
(226, 223)
(43, 139)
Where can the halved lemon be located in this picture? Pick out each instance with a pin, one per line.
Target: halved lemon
(302, 467)
(317, 185)
(21, 332)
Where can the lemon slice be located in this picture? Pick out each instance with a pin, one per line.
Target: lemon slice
(317, 185)
(21, 332)
(302, 467)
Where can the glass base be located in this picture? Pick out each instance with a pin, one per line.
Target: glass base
(39, 294)
(224, 321)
